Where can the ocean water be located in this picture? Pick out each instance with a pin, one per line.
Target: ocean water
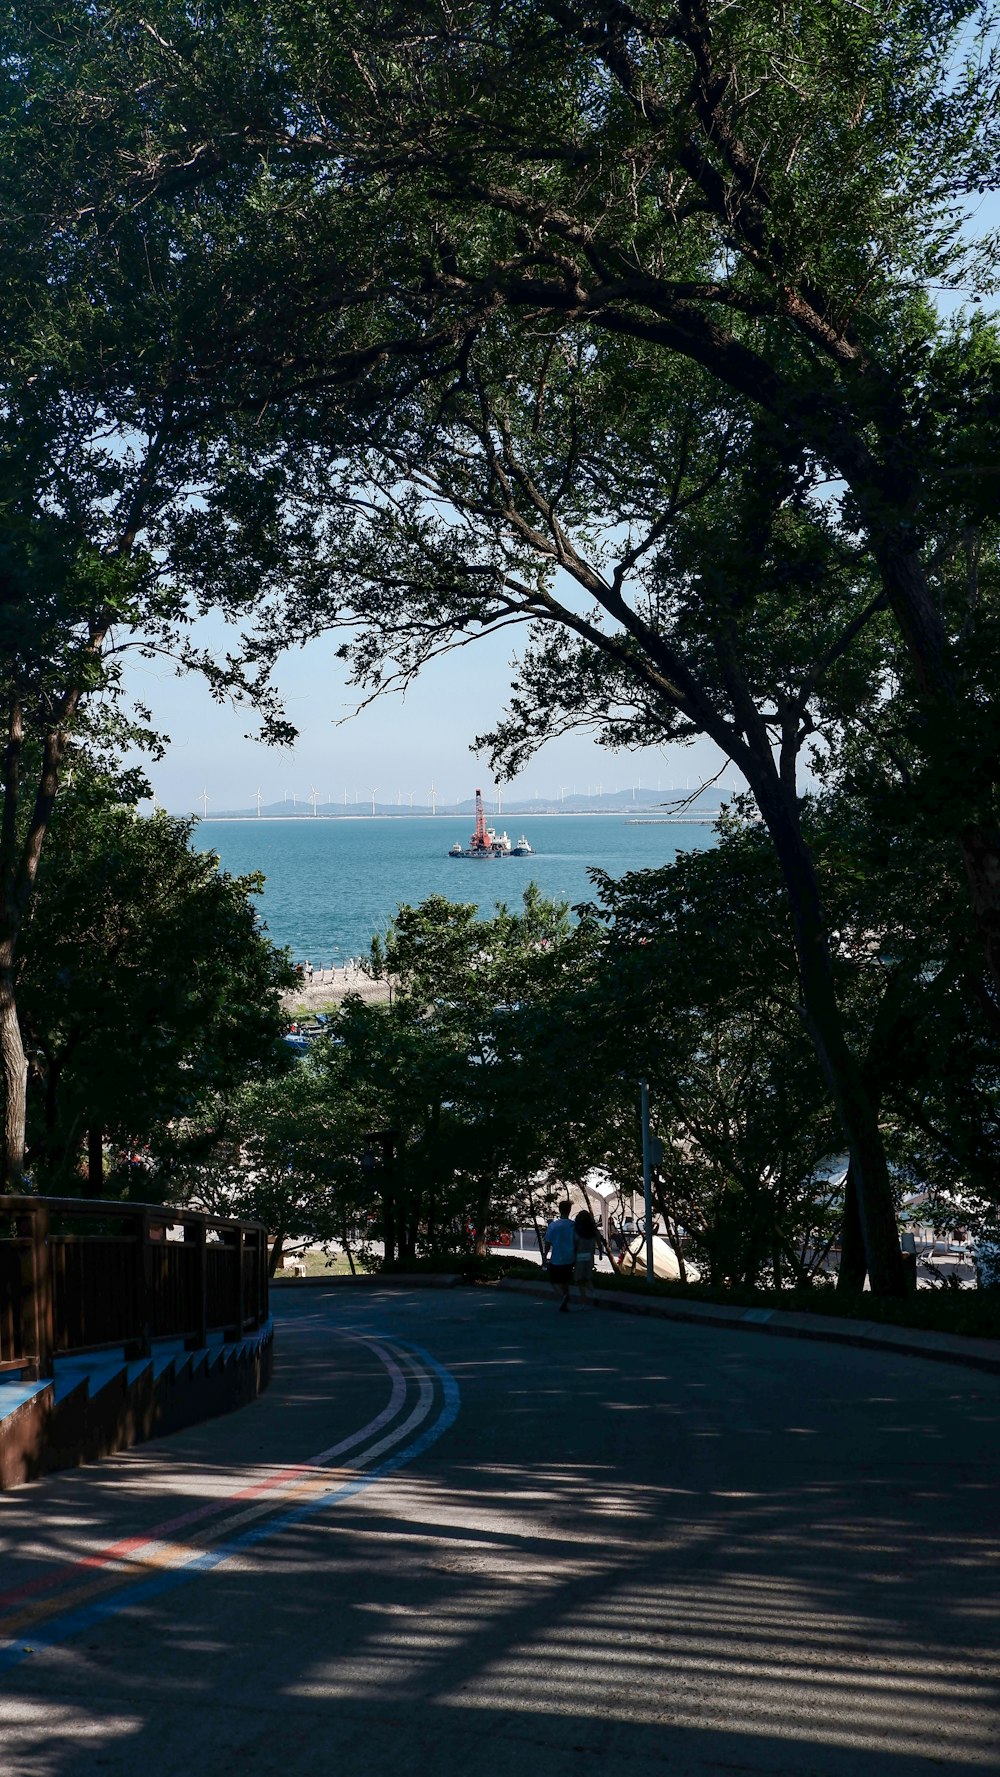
(332, 884)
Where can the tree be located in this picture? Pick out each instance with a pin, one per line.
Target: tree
(464, 990)
(111, 423)
(146, 986)
(281, 1149)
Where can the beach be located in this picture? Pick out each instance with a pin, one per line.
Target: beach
(327, 987)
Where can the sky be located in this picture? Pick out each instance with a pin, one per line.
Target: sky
(399, 746)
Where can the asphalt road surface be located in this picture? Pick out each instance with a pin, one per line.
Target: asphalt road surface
(463, 1533)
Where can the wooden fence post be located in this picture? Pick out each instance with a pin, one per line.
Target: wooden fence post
(194, 1235)
(140, 1343)
(37, 1335)
(241, 1286)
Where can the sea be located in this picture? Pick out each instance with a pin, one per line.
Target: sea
(331, 885)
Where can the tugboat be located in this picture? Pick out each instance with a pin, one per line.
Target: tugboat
(486, 842)
(522, 849)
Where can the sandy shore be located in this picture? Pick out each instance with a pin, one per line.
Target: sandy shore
(329, 986)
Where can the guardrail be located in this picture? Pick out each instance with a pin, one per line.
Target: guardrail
(79, 1274)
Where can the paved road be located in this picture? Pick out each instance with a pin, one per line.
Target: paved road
(465, 1534)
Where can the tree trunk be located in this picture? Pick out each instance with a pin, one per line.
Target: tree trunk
(14, 1071)
(669, 1224)
(926, 640)
(822, 1016)
(95, 1160)
(412, 1224)
(345, 1242)
(277, 1249)
(388, 1223)
(484, 1199)
(981, 858)
(851, 1276)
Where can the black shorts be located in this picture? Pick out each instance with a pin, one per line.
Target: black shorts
(560, 1273)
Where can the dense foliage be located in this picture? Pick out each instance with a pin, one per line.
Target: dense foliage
(146, 987)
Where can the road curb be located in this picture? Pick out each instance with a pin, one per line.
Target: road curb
(781, 1323)
(435, 1280)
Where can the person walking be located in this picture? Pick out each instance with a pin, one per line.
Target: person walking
(587, 1242)
(560, 1248)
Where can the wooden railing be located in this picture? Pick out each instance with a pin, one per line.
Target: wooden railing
(80, 1274)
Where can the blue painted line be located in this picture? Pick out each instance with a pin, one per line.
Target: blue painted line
(76, 1621)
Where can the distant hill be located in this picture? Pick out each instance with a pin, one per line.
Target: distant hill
(665, 803)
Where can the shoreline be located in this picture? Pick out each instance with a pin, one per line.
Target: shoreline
(548, 814)
(329, 987)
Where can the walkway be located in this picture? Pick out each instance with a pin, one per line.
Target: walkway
(464, 1534)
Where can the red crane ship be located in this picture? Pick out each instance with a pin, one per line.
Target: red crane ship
(486, 842)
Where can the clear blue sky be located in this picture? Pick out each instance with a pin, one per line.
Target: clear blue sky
(399, 744)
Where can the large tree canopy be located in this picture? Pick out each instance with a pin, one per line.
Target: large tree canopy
(615, 322)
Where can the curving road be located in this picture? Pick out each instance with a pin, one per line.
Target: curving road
(462, 1533)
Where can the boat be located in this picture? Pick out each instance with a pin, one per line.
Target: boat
(486, 842)
(522, 849)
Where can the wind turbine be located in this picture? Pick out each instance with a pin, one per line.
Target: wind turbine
(312, 798)
(203, 799)
(258, 802)
(374, 788)
(434, 806)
